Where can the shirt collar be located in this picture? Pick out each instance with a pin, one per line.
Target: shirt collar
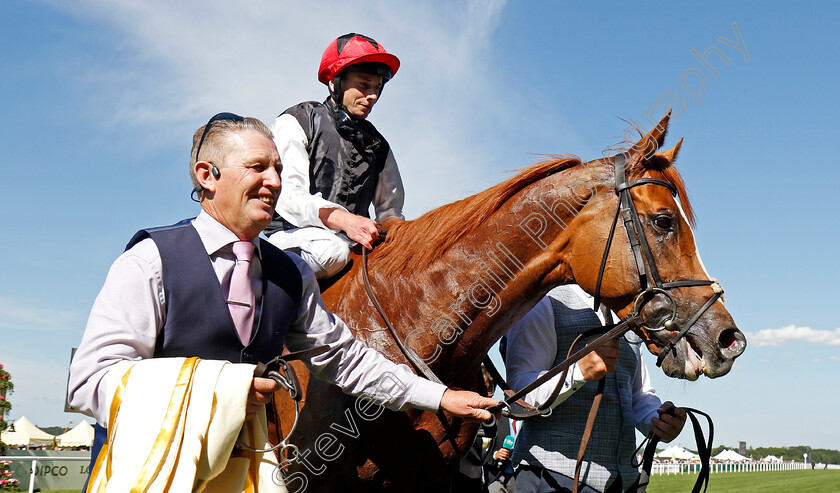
(213, 234)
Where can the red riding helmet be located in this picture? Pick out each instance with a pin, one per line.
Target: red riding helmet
(353, 49)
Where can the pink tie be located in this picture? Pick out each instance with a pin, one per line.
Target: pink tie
(240, 295)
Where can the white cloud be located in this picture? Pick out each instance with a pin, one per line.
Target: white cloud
(15, 314)
(180, 62)
(777, 337)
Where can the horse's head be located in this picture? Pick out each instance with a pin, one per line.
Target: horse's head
(646, 281)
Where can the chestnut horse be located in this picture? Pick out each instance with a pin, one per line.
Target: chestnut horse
(454, 280)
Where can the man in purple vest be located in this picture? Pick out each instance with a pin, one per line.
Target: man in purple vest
(169, 293)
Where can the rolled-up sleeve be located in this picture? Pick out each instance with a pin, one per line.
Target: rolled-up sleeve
(350, 364)
(645, 400)
(531, 351)
(296, 204)
(389, 196)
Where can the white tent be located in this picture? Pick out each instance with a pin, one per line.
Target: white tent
(677, 453)
(771, 458)
(730, 456)
(80, 435)
(26, 434)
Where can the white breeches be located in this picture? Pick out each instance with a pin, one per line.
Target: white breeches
(325, 252)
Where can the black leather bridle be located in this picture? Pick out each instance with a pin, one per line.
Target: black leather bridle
(651, 285)
(649, 281)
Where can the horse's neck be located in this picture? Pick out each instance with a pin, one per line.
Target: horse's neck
(501, 270)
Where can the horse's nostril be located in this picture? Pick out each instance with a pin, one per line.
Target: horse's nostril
(732, 342)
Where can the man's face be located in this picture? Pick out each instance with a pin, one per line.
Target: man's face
(361, 91)
(247, 189)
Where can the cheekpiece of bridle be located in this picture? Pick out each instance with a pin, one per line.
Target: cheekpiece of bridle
(651, 285)
(649, 278)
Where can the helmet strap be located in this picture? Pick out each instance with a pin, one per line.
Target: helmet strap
(337, 93)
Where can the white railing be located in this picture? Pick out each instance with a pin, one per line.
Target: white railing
(34, 466)
(693, 468)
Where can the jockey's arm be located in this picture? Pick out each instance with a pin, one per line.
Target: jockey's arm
(358, 228)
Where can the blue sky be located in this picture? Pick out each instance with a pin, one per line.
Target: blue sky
(100, 100)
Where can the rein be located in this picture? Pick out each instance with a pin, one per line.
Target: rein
(419, 365)
(514, 401)
(704, 450)
(651, 284)
(649, 278)
(284, 374)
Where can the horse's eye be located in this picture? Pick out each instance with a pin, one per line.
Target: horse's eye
(664, 222)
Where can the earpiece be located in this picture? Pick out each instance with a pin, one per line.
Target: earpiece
(198, 188)
(229, 117)
(195, 191)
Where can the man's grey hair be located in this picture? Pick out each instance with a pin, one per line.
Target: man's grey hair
(216, 146)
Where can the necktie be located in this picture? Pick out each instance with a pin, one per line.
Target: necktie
(240, 295)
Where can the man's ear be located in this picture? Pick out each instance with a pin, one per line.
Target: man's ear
(331, 86)
(204, 176)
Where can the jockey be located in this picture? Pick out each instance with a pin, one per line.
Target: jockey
(335, 163)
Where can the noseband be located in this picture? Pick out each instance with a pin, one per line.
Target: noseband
(649, 279)
(650, 283)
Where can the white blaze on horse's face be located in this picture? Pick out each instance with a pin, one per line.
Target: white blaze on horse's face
(712, 342)
(696, 250)
(694, 366)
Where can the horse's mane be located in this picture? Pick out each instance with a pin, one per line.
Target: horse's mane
(433, 233)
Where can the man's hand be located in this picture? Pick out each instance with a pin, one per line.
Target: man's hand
(670, 422)
(262, 391)
(360, 229)
(467, 405)
(599, 363)
(502, 454)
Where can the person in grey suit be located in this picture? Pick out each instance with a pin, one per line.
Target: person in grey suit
(546, 448)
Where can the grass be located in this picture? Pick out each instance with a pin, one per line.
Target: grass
(801, 481)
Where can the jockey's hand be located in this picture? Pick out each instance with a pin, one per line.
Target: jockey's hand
(467, 405)
(670, 422)
(599, 363)
(360, 229)
(262, 391)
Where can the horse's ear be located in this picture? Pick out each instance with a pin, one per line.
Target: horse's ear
(650, 143)
(671, 154)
